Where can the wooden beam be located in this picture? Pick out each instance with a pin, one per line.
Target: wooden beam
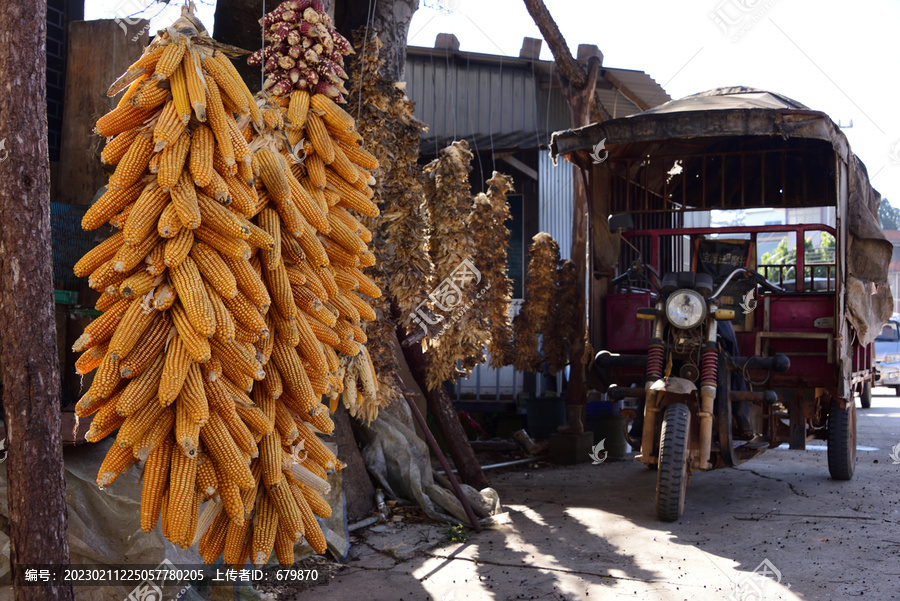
(625, 90)
(517, 164)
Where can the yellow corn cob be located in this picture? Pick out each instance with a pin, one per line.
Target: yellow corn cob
(230, 495)
(222, 448)
(90, 359)
(285, 328)
(272, 172)
(316, 170)
(163, 297)
(246, 313)
(231, 87)
(155, 480)
(297, 276)
(169, 224)
(191, 532)
(220, 219)
(129, 330)
(358, 156)
(298, 108)
(273, 118)
(189, 285)
(102, 328)
(177, 248)
(98, 255)
(217, 188)
(319, 506)
(236, 538)
(353, 223)
(321, 140)
(214, 269)
(345, 279)
(106, 378)
(288, 513)
(272, 382)
(312, 531)
(343, 167)
(219, 163)
(216, 117)
(155, 259)
(234, 358)
(271, 224)
(149, 95)
(143, 218)
(105, 421)
(280, 287)
(142, 389)
(264, 531)
(270, 459)
(116, 148)
(344, 135)
(259, 238)
(182, 480)
(153, 165)
(350, 196)
(366, 259)
(242, 152)
(249, 283)
(201, 157)
(333, 114)
(344, 236)
(155, 434)
(171, 161)
(326, 278)
(177, 364)
(243, 197)
(187, 431)
(149, 346)
(284, 545)
(220, 401)
(168, 128)
(292, 219)
(121, 119)
(207, 482)
(197, 345)
(117, 460)
(170, 60)
(313, 248)
(229, 248)
(225, 326)
(193, 395)
(118, 220)
(322, 332)
(107, 300)
(105, 276)
(317, 194)
(362, 308)
(293, 373)
(310, 209)
(178, 85)
(196, 86)
(136, 285)
(136, 424)
(131, 89)
(310, 347)
(319, 419)
(212, 543)
(130, 256)
(111, 202)
(184, 196)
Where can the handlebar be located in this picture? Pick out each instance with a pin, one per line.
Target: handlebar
(749, 274)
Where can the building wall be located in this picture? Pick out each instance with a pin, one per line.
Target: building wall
(555, 190)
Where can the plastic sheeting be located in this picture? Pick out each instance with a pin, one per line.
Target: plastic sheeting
(400, 463)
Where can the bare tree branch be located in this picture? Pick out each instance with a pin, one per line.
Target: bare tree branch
(570, 70)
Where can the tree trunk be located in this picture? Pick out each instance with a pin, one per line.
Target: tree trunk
(28, 358)
(445, 415)
(577, 82)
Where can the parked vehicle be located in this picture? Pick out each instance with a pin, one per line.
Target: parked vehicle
(887, 357)
(735, 355)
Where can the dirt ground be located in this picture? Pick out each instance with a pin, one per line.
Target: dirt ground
(775, 528)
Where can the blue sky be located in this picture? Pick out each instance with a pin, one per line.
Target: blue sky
(833, 56)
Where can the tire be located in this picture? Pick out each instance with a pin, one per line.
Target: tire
(672, 477)
(842, 441)
(865, 395)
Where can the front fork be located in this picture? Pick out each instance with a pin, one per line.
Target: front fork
(708, 381)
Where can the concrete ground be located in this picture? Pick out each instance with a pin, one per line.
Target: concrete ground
(775, 528)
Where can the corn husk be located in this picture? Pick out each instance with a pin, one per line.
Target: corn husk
(534, 319)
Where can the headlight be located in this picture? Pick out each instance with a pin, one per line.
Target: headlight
(892, 359)
(685, 308)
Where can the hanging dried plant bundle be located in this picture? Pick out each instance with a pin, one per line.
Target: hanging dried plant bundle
(557, 337)
(487, 223)
(449, 201)
(540, 293)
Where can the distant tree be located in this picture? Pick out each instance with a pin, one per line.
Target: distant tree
(812, 255)
(889, 216)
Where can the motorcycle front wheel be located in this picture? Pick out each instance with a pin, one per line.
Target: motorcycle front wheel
(672, 476)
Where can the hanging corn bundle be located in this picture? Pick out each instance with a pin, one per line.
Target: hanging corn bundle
(487, 221)
(540, 297)
(557, 338)
(203, 285)
(403, 267)
(449, 200)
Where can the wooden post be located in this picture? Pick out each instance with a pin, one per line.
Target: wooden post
(28, 359)
(99, 51)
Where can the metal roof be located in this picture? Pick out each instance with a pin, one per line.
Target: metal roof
(506, 103)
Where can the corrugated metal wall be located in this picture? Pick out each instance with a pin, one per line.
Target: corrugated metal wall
(555, 201)
(492, 105)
